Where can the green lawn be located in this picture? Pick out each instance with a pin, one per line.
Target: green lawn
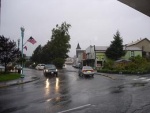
(9, 76)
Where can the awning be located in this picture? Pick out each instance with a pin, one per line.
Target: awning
(140, 5)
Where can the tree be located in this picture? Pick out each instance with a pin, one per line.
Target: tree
(46, 54)
(8, 51)
(115, 50)
(55, 51)
(60, 42)
(36, 56)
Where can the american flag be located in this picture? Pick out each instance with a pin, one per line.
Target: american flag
(25, 47)
(31, 40)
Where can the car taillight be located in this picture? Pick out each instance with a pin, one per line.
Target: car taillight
(83, 70)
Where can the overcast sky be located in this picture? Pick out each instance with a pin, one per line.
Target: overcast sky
(94, 22)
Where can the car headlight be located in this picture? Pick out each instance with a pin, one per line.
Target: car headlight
(56, 70)
(46, 70)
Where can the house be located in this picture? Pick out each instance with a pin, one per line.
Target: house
(80, 56)
(90, 56)
(143, 44)
(96, 57)
(132, 52)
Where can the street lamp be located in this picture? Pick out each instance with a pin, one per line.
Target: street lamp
(18, 43)
(22, 36)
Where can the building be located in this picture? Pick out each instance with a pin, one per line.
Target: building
(90, 56)
(142, 6)
(96, 57)
(132, 52)
(69, 61)
(143, 44)
(80, 56)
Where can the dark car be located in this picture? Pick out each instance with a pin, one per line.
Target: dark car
(86, 71)
(50, 69)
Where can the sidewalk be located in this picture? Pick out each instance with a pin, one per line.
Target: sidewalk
(120, 76)
(26, 79)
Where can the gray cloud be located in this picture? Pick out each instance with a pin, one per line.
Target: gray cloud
(94, 22)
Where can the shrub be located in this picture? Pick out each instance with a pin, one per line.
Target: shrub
(138, 65)
(59, 62)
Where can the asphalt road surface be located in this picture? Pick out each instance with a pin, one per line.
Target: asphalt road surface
(69, 93)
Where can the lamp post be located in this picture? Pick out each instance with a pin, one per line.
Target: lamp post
(18, 43)
(22, 36)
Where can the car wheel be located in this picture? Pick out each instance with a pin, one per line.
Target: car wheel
(92, 75)
(79, 74)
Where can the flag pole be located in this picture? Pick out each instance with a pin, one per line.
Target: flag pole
(25, 43)
(22, 36)
(0, 16)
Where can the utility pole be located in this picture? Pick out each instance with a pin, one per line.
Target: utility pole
(22, 36)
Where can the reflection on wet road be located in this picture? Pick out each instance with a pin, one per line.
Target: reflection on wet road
(70, 93)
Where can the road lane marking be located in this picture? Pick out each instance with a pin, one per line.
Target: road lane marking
(76, 108)
(142, 78)
(147, 80)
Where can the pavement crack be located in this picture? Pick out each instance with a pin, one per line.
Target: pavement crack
(9, 110)
(129, 105)
(141, 108)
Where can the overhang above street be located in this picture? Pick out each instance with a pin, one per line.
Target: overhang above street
(140, 5)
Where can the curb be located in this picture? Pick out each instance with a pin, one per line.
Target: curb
(19, 83)
(113, 78)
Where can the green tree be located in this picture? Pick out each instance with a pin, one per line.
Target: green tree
(115, 50)
(60, 43)
(36, 56)
(55, 51)
(47, 51)
(8, 51)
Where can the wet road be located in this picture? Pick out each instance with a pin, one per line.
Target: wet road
(69, 93)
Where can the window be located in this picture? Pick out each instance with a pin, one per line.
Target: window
(132, 53)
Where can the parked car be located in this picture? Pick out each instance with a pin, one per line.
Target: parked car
(64, 65)
(86, 71)
(17, 67)
(2, 68)
(40, 66)
(50, 69)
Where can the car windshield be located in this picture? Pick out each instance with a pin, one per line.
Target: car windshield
(87, 67)
(50, 66)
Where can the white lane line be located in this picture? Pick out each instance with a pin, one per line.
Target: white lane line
(147, 80)
(142, 78)
(80, 107)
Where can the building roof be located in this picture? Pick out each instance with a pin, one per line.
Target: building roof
(139, 5)
(80, 51)
(78, 46)
(104, 48)
(132, 48)
(136, 42)
(101, 48)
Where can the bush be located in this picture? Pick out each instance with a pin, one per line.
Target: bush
(138, 65)
(59, 62)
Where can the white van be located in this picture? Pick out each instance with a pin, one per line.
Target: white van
(40, 66)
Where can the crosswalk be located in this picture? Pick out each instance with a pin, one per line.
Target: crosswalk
(145, 79)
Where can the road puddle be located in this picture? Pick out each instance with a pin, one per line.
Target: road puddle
(117, 89)
(139, 84)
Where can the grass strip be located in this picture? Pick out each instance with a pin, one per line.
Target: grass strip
(9, 76)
